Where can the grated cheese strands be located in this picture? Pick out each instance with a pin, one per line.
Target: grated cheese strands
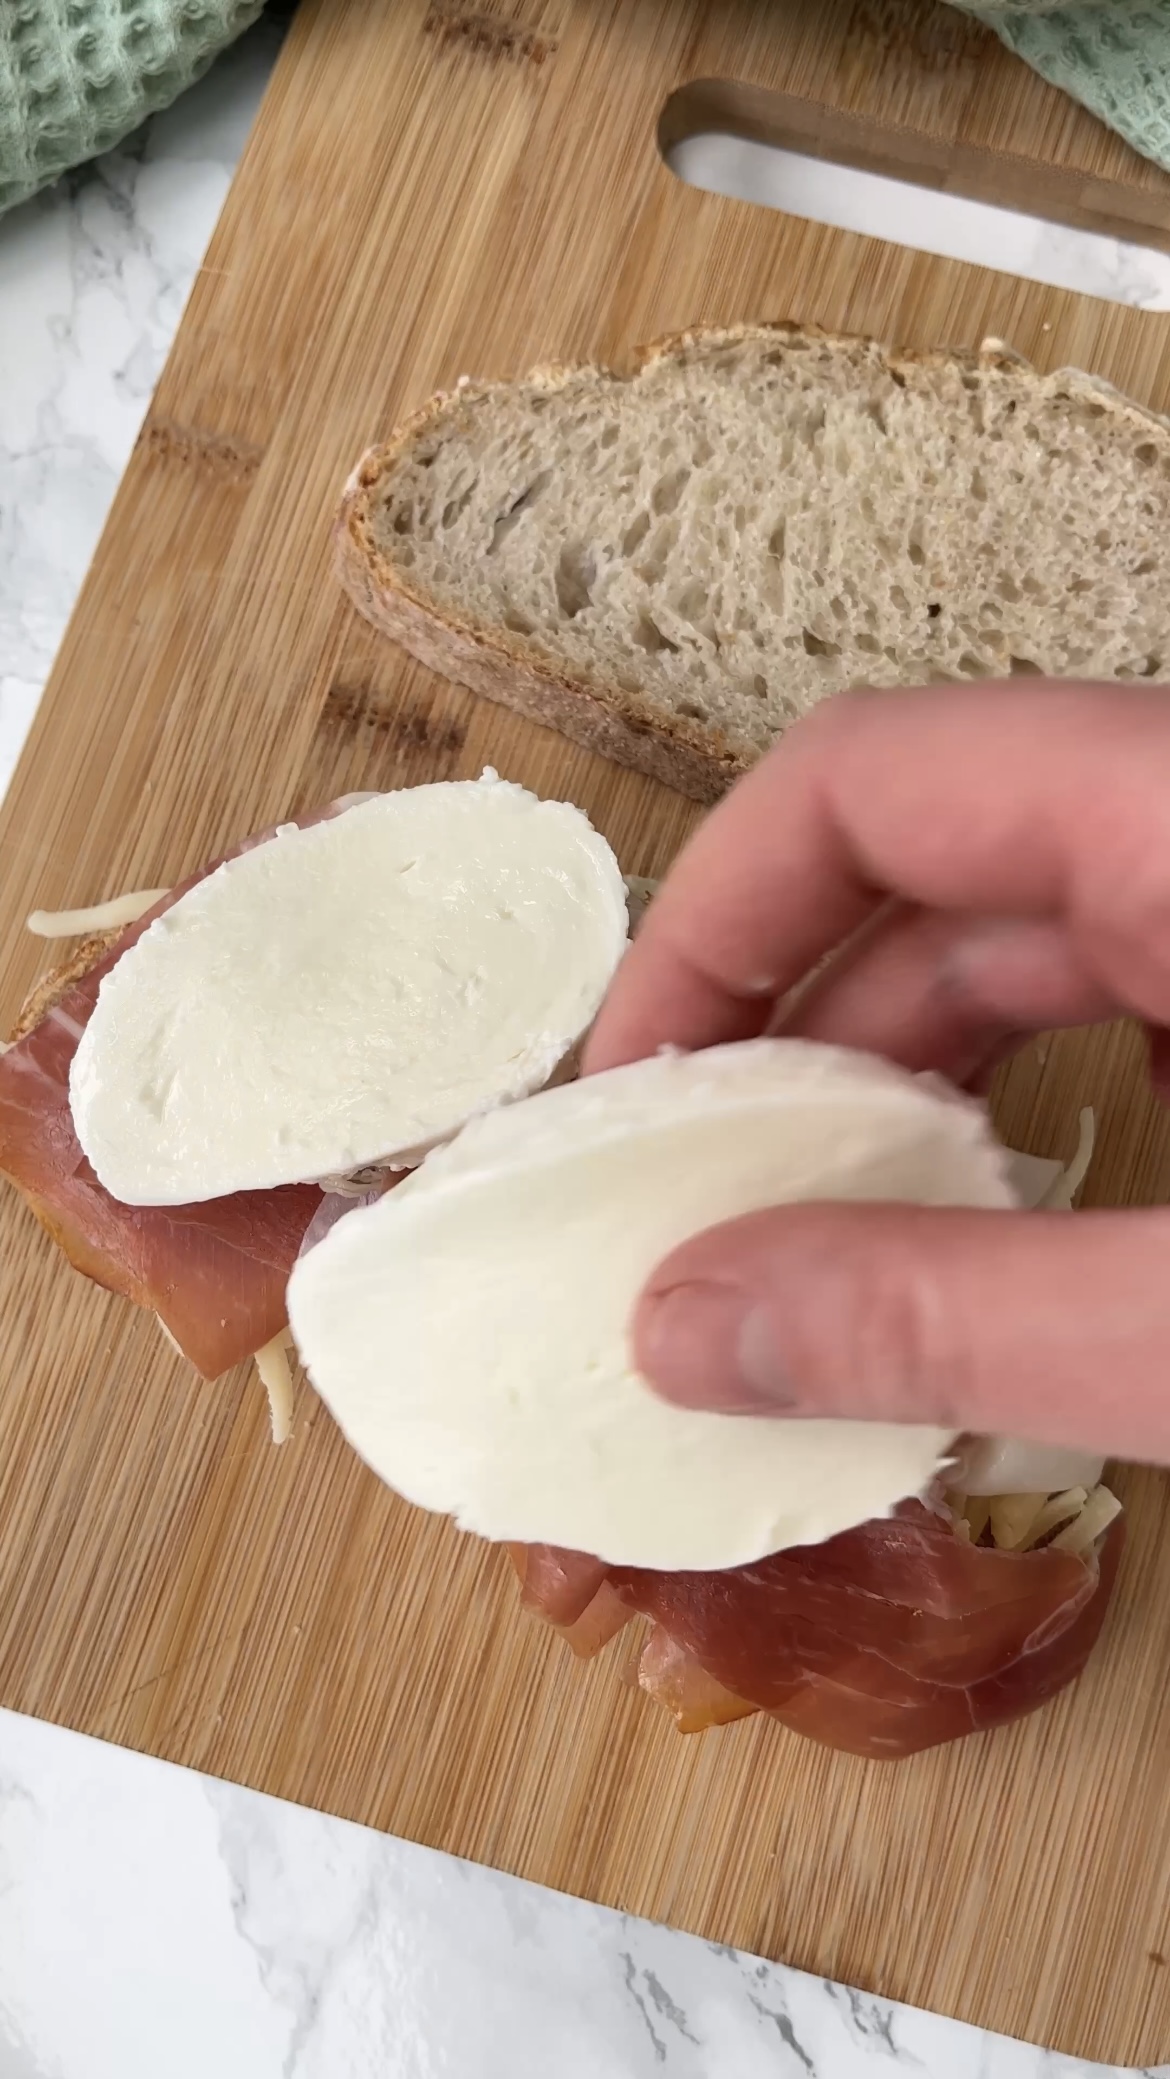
(276, 1378)
(1048, 1186)
(1098, 1513)
(640, 893)
(1079, 1167)
(99, 916)
(1059, 1509)
(641, 887)
(1012, 1517)
(1025, 1522)
(976, 1514)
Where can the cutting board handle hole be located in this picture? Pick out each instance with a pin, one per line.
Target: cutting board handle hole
(847, 172)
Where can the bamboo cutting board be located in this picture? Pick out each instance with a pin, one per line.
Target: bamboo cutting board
(428, 192)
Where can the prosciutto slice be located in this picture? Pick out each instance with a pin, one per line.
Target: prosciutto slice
(891, 1638)
(215, 1273)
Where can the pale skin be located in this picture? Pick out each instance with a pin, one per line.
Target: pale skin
(999, 859)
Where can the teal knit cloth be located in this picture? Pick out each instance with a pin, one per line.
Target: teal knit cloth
(77, 75)
(1114, 55)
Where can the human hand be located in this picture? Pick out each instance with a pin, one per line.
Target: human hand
(998, 858)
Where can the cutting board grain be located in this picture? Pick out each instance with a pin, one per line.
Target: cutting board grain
(430, 191)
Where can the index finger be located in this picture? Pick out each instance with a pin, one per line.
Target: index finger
(1007, 799)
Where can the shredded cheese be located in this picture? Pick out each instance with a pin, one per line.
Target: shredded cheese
(1026, 1522)
(1078, 1168)
(640, 893)
(1058, 1510)
(1094, 1519)
(276, 1378)
(1012, 1517)
(976, 1513)
(642, 887)
(100, 916)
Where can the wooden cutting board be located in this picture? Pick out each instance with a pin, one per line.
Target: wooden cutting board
(430, 191)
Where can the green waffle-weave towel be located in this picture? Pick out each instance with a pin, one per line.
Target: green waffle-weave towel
(77, 75)
(1114, 55)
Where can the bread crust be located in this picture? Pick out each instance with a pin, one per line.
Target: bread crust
(49, 988)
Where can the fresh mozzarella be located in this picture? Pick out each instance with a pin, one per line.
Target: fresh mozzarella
(470, 1330)
(1002, 1465)
(349, 993)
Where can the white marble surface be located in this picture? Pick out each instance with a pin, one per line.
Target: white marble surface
(157, 1925)
(154, 1924)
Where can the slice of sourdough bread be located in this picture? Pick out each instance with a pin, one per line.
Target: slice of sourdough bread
(671, 565)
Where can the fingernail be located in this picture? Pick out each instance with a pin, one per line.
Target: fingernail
(710, 1346)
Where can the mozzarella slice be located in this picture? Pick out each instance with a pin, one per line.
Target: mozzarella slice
(1003, 1465)
(470, 1330)
(349, 993)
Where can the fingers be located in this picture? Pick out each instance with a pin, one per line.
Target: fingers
(1014, 801)
(911, 1314)
(930, 990)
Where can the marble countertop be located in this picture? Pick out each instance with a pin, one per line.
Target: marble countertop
(155, 1924)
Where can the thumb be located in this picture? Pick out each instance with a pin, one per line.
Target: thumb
(1032, 1325)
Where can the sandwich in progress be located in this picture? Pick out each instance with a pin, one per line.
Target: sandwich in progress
(671, 565)
(319, 1008)
(218, 1092)
(859, 1581)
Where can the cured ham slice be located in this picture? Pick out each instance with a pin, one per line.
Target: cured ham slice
(896, 1636)
(677, 1681)
(215, 1273)
(572, 1592)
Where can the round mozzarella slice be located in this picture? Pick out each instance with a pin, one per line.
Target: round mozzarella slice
(470, 1330)
(349, 993)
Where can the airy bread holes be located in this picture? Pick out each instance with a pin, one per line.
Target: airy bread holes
(668, 491)
(457, 506)
(576, 575)
(816, 646)
(514, 513)
(649, 637)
